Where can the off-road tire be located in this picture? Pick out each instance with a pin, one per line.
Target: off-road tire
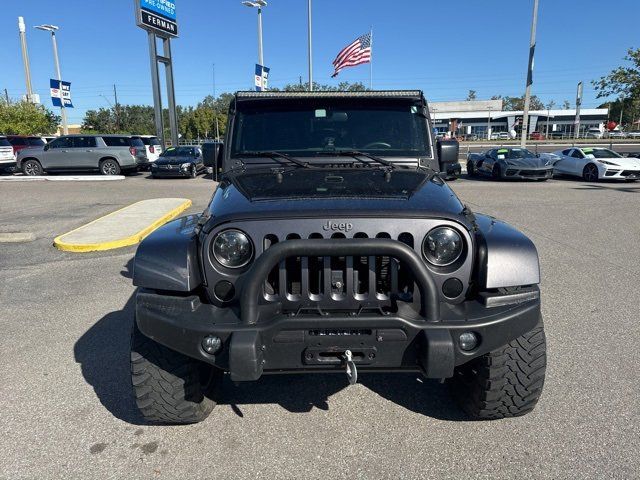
(506, 382)
(171, 388)
(109, 167)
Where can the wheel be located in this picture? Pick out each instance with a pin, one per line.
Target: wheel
(496, 173)
(506, 382)
(194, 172)
(32, 168)
(590, 173)
(169, 387)
(109, 167)
(471, 170)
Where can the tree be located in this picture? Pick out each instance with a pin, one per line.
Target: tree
(517, 103)
(626, 106)
(471, 95)
(566, 105)
(551, 105)
(26, 118)
(624, 81)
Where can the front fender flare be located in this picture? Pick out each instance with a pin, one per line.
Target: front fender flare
(168, 258)
(506, 257)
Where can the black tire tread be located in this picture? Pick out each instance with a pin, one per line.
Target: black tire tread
(166, 384)
(506, 382)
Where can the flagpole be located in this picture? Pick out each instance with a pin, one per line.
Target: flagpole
(371, 59)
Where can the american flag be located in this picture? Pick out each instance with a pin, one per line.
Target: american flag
(356, 53)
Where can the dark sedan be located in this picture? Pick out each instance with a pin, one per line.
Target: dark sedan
(179, 162)
(505, 163)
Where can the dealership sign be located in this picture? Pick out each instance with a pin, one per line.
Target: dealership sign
(60, 93)
(157, 16)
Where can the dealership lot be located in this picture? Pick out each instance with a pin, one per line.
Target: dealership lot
(65, 390)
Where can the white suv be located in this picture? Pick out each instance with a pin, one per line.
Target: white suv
(153, 147)
(7, 157)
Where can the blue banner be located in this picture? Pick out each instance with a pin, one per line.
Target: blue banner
(60, 93)
(261, 78)
(166, 8)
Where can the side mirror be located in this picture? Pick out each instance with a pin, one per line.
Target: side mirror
(447, 153)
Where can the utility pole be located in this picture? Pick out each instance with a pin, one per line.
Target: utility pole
(527, 94)
(117, 107)
(6, 95)
(309, 53)
(576, 133)
(621, 111)
(25, 58)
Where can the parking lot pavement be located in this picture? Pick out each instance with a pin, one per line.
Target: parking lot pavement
(68, 411)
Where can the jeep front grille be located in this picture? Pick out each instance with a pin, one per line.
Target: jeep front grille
(343, 283)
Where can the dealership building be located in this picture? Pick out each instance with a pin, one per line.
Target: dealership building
(483, 117)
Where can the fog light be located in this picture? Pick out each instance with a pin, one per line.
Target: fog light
(211, 344)
(468, 341)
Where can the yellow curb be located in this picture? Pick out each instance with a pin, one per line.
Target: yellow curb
(121, 242)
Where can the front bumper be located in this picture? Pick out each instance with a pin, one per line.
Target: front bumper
(176, 171)
(528, 173)
(256, 339)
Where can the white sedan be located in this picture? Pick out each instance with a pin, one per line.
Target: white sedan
(595, 163)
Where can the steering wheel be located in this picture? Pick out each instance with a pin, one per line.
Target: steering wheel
(377, 145)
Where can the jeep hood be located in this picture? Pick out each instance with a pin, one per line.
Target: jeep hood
(351, 192)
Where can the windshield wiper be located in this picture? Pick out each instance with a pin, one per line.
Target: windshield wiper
(276, 156)
(356, 153)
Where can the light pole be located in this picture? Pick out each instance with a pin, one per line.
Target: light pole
(25, 58)
(258, 4)
(63, 113)
(527, 94)
(309, 45)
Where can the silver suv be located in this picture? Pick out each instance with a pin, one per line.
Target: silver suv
(108, 154)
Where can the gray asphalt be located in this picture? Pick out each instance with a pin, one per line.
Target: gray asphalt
(67, 409)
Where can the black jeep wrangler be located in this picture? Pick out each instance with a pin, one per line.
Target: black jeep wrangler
(332, 244)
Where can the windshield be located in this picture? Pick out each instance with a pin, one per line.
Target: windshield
(306, 130)
(514, 153)
(600, 153)
(150, 141)
(179, 152)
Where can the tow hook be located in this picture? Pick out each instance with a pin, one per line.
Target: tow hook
(352, 371)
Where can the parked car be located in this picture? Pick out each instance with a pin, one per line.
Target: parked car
(615, 134)
(179, 162)
(511, 162)
(7, 157)
(153, 147)
(320, 253)
(537, 136)
(596, 163)
(593, 133)
(20, 142)
(107, 154)
(558, 135)
(634, 134)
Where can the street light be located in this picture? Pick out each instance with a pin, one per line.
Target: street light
(52, 29)
(258, 4)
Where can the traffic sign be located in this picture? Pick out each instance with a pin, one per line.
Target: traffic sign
(261, 78)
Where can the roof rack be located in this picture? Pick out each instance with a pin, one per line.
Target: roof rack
(372, 93)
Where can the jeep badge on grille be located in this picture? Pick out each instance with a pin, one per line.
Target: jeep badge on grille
(335, 226)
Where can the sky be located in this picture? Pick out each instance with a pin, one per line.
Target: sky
(443, 47)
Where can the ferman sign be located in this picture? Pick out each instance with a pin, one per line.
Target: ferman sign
(157, 16)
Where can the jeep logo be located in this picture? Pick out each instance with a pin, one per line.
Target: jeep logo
(342, 226)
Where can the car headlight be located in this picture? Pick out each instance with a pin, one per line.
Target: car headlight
(608, 163)
(442, 246)
(184, 166)
(232, 249)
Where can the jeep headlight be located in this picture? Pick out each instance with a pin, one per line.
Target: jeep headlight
(442, 246)
(232, 248)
